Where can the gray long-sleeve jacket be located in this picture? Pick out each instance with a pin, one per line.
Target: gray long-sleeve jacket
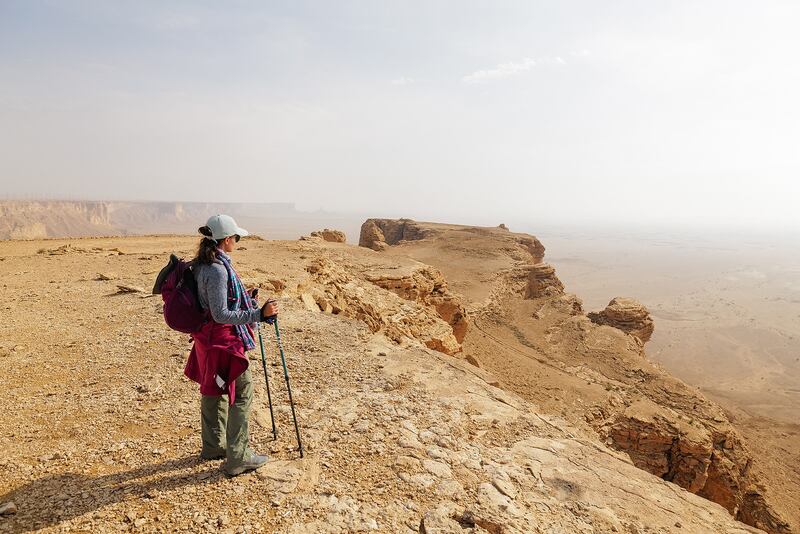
(212, 288)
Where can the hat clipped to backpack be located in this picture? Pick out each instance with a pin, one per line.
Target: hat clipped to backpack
(223, 226)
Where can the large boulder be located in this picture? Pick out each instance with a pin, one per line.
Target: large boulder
(627, 315)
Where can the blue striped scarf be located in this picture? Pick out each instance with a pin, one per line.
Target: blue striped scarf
(238, 299)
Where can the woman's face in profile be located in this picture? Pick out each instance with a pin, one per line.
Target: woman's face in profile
(229, 243)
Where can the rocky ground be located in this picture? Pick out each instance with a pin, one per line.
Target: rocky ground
(101, 430)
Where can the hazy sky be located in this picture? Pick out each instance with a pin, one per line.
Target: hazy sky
(646, 111)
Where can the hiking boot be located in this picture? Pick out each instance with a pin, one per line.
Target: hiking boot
(251, 464)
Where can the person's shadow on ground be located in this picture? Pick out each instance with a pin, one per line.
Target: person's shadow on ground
(52, 499)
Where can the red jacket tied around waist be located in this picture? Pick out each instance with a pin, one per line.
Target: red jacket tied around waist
(218, 351)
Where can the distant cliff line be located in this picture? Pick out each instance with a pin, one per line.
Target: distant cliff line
(37, 219)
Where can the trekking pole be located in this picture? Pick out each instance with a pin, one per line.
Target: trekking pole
(274, 320)
(266, 378)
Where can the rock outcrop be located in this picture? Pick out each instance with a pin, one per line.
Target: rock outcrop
(410, 310)
(665, 427)
(377, 234)
(542, 281)
(333, 236)
(627, 315)
(427, 286)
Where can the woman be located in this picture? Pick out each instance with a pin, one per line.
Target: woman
(217, 361)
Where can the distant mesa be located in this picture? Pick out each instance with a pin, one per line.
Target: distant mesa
(41, 219)
(628, 315)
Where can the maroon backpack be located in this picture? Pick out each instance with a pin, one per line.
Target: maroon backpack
(178, 288)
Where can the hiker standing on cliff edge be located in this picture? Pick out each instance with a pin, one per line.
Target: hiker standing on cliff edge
(218, 361)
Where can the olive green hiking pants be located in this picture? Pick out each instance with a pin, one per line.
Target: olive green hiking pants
(224, 427)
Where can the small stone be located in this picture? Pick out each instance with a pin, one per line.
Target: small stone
(8, 508)
(409, 442)
(438, 469)
(123, 288)
(435, 522)
(505, 487)
(472, 360)
(361, 427)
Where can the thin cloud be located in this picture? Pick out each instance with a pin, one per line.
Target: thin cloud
(511, 68)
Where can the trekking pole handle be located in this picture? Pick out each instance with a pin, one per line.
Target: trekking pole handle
(271, 319)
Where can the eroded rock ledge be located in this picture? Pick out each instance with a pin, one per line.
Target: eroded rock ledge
(377, 234)
(413, 304)
(627, 315)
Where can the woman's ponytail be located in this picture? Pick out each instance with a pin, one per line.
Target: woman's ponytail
(207, 250)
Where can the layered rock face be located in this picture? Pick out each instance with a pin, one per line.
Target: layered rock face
(627, 315)
(427, 286)
(40, 219)
(31, 220)
(405, 308)
(377, 234)
(542, 281)
(533, 246)
(666, 428)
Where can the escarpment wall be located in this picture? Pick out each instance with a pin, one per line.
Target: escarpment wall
(52, 219)
(593, 367)
(664, 426)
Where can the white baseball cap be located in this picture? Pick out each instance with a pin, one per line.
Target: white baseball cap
(223, 226)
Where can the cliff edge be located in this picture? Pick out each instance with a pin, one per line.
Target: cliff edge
(538, 342)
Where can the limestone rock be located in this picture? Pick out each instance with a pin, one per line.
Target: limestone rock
(533, 246)
(377, 234)
(381, 310)
(627, 315)
(334, 236)
(427, 286)
(435, 522)
(542, 281)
